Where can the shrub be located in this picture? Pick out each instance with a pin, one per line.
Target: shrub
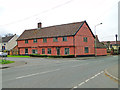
(52, 56)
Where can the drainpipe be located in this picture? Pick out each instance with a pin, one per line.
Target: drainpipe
(74, 44)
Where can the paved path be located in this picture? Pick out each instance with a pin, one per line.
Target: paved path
(60, 73)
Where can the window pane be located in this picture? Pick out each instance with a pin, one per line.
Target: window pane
(86, 50)
(34, 51)
(55, 39)
(85, 39)
(43, 51)
(49, 50)
(64, 38)
(35, 40)
(26, 41)
(44, 39)
(66, 50)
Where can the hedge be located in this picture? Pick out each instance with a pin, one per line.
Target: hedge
(52, 56)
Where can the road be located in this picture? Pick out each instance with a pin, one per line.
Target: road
(60, 73)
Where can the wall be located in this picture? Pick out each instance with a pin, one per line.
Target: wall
(101, 51)
(12, 43)
(80, 44)
(49, 44)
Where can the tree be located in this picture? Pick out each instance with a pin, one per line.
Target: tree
(108, 44)
(8, 34)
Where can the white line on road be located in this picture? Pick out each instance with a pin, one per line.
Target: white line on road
(87, 80)
(79, 65)
(46, 72)
(37, 74)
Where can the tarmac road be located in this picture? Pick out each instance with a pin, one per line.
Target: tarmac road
(60, 73)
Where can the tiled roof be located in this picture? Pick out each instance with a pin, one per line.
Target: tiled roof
(52, 31)
(111, 42)
(6, 39)
(99, 44)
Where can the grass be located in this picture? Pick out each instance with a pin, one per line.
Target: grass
(17, 56)
(6, 61)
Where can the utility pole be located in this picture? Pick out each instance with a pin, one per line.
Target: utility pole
(96, 39)
(116, 42)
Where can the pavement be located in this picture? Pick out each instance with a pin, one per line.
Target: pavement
(17, 63)
(112, 72)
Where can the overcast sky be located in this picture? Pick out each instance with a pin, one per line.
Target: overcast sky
(19, 15)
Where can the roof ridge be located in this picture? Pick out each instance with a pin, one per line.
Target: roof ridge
(55, 25)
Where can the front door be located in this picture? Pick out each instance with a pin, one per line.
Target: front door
(26, 50)
(58, 50)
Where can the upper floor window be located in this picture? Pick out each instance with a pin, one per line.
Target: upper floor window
(86, 50)
(35, 40)
(85, 39)
(44, 39)
(64, 38)
(67, 51)
(26, 41)
(55, 39)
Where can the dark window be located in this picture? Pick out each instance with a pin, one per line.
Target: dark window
(35, 40)
(34, 51)
(3, 48)
(66, 50)
(49, 50)
(64, 38)
(86, 50)
(26, 41)
(44, 39)
(55, 39)
(43, 51)
(26, 50)
(85, 39)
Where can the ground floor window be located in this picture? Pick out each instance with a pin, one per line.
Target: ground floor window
(86, 50)
(43, 51)
(49, 50)
(67, 51)
(34, 51)
(26, 50)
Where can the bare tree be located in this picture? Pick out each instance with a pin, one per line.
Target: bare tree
(8, 34)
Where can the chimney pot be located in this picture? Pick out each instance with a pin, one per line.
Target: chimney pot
(39, 25)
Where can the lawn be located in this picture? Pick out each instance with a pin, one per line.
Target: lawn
(6, 61)
(17, 56)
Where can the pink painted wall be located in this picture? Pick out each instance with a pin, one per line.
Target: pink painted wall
(101, 51)
(80, 44)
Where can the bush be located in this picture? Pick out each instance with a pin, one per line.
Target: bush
(37, 55)
(52, 56)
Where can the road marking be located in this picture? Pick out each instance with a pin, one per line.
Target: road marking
(111, 75)
(79, 65)
(37, 74)
(87, 80)
(115, 56)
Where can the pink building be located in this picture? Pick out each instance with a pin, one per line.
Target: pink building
(67, 39)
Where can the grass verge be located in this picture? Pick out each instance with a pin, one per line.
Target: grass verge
(6, 61)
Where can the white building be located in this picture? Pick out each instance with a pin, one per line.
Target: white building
(8, 42)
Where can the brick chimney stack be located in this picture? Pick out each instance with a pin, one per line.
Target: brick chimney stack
(39, 25)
